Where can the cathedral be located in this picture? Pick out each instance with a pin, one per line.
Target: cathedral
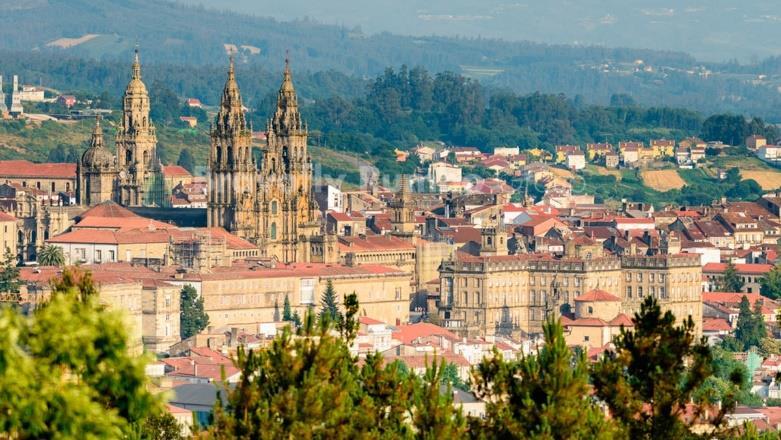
(132, 176)
(271, 203)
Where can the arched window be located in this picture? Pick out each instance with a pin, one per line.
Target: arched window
(128, 156)
(273, 232)
(273, 206)
(219, 154)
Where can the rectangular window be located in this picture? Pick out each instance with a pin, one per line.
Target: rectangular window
(662, 292)
(640, 291)
(307, 291)
(585, 338)
(628, 291)
(111, 256)
(651, 277)
(628, 276)
(639, 276)
(661, 277)
(398, 293)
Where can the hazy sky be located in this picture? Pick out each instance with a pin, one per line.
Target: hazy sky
(709, 29)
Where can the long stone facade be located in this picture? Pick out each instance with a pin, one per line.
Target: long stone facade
(489, 295)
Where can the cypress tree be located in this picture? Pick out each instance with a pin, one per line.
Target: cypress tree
(329, 304)
(287, 313)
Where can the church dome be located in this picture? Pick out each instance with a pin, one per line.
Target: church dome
(97, 155)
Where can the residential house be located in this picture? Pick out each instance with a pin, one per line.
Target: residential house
(506, 151)
(755, 142)
(750, 274)
(595, 152)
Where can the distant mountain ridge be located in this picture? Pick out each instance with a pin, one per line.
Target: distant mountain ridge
(173, 32)
(178, 35)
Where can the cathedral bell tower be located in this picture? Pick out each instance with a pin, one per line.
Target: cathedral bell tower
(403, 211)
(286, 209)
(233, 174)
(140, 171)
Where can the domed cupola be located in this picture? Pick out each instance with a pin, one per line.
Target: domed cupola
(97, 155)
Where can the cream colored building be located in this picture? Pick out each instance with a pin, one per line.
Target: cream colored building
(245, 296)
(116, 291)
(7, 233)
(160, 315)
(506, 294)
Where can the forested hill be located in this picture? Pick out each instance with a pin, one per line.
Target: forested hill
(173, 34)
(176, 33)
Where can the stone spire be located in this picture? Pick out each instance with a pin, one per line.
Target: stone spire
(231, 114)
(287, 118)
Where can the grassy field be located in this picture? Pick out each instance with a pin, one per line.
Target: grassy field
(602, 171)
(767, 179)
(662, 180)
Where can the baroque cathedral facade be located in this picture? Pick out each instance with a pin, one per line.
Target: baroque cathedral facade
(133, 176)
(271, 203)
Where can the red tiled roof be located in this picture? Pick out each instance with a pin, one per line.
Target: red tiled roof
(410, 332)
(418, 361)
(175, 171)
(103, 236)
(584, 322)
(622, 319)
(24, 168)
(752, 268)
(108, 209)
(121, 223)
(734, 297)
(6, 217)
(374, 243)
(597, 295)
(346, 216)
(715, 325)
(369, 321)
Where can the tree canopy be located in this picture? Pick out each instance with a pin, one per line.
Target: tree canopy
(193, 318)
(67, 370)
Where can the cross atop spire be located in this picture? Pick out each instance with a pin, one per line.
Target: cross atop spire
(136, 65)
(97, 132)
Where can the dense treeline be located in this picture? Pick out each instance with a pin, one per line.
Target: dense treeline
(409, 105)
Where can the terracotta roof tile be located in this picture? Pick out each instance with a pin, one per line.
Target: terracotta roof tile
(24, 168)
(597, 295)
(175, 171)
